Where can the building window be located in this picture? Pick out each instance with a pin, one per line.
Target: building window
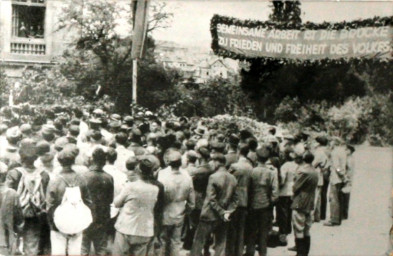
(28, 18)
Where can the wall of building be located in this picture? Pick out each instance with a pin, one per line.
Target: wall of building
(55, 41)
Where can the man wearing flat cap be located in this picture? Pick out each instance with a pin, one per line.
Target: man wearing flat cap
(10, 155)
(220, 202)
(123, 154)
(263, 194)
(241, 170)
(136, 142)
(32, 198)
(321, 166)
(60, 243)
(232, 154)
(12, 219)
(101, 188)
(200, 178)
(338, 172)
(179, 199)
(304, 190)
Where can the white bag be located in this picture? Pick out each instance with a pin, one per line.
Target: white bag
(72, 216)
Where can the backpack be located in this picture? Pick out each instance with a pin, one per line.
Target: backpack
(72, 216)
(31, 193)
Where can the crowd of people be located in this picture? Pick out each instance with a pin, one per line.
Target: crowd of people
(82, 180)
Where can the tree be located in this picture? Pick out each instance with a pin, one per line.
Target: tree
(260, 71)
(101, 56)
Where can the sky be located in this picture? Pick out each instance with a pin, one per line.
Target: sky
(190, 24)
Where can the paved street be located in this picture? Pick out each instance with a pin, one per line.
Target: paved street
(365, 232)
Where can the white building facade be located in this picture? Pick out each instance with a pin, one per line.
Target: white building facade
(29, 35)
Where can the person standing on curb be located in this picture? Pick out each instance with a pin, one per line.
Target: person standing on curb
(304, 190)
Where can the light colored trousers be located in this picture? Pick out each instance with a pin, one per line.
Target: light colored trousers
(60, 245)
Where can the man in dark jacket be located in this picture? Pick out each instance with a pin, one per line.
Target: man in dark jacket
(220, 202)
(11, 217)
(241, 170)
(100, 185)
(303, 204)
(200, 178)
(263, 194)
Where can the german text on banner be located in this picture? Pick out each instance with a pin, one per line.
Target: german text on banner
(250, 41)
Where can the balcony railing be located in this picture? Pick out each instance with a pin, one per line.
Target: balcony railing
(27, 46)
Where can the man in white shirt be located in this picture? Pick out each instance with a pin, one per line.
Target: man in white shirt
(123, 154)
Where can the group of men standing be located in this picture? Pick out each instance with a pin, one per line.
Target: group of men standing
(145, 186)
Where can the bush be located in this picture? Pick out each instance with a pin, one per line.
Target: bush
(215, 97)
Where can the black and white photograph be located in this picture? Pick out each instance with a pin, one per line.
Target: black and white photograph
(196, 127)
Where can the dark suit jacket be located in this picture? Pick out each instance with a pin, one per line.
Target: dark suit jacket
(304, 189)
(11, 218)
(200, 178)
(101, 189)
(242, 172)
(220, 196)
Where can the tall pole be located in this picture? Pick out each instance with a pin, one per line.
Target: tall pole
(134, 80)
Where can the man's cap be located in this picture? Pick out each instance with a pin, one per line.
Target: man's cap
(58, 124)
(48, 129)
(147, 165)
(204, 152)
(13, 133)
(75, 122)
(144, 128)
(99, 154)
(74, 128)
(115, 117)
(263, 152)
(66, 156)
(60, 143)
(72, 148)
(128, 120)
(115, 124)
(131, 162)
(220, 137)
(136, 132)
(219, 157)
(43, 147)
(233, 139)
(192, 154)
(200, 130)
(218, 146)
(299, 150)
(98, 111)
(174, 156)
(95, 135)
(121, 136)
(25, 128)
(153, 159)
(47, 157)
(125, 128)
(95, 121)
(190, 144)
(322, 140)
(245, 134)
(28, 148)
